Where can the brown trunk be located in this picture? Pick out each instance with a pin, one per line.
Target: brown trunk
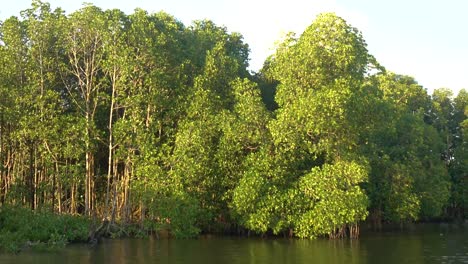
(89, 183)
(148, 115)
(14, 171)
(125, 194)
(37, 181)
(142, 214)
(59, 200)
(32, 194)
(2, 163)
(9, 173)
(126, 190)
(54, 183)
(73, 199)
(354, 231)
(339, 232)
(114, 201)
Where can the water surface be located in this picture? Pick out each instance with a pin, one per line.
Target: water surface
(429, 244)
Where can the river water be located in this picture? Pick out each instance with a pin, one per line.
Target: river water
(427, 244)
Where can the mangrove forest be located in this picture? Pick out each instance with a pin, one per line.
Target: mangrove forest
(137, 121)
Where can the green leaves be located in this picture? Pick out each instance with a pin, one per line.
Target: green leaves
(334, 198)
(404, 153)
(328, 50)
(174, 117)
(302, 180)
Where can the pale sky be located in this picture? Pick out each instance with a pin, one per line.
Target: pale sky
(426, 39)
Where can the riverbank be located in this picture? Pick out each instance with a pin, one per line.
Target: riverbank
(22, 228)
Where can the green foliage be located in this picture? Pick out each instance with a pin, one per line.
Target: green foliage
(408, 180)
(253, 196)
(458, 165)
(142, 120)
(21, 227)
(183, 213)
(244, 132)
(328, 50)
(334, 198)
(174, 212)
(305, 184)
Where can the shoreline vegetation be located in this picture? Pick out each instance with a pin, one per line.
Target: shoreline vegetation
(130, 125)
(22, 229)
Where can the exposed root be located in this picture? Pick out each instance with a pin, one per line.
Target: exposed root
(344, 230)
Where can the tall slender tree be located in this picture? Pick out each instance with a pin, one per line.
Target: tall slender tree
(86, 54)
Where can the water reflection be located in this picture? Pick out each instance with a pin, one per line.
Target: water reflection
(428, 245)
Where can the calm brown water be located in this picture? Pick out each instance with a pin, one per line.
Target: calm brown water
(430, 244)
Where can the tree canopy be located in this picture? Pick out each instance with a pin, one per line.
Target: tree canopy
(138, 118)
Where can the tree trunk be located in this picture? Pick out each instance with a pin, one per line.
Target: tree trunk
(110, 148)
(73, 199)
(88, 184)
(32, 193)
(2, 162)
(54, 183)
(89, 165)
(126, 198)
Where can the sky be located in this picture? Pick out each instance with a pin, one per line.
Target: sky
(426, 39)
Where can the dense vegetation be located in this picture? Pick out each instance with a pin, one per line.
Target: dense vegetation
(22, 228)
(141, 119)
